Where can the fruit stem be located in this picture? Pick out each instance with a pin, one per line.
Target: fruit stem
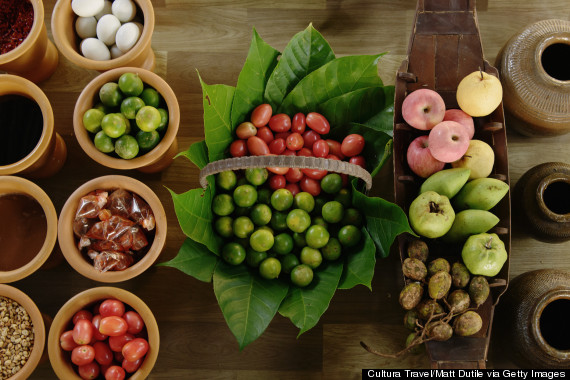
(488, 243)
(481, 72)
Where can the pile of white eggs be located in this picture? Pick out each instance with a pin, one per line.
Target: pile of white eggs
(107, 28)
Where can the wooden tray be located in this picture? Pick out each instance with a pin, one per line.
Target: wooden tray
(445, 46)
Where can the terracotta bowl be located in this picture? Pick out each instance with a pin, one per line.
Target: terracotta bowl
(10, 185)
(157, 159)
(38, 325)
(59, 359)
(67, 41)
(68, 242)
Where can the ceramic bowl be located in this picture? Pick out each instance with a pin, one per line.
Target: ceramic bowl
(68, 241)
(60, 359)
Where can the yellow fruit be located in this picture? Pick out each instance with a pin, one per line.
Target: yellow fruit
(479, 157)
(479, 94)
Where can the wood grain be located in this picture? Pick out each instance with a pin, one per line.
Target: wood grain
(212, 37)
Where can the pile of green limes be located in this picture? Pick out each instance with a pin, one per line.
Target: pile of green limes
(131, 118)
(278, 232)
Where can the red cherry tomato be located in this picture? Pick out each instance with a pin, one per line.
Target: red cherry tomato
(277, 182)
(245, 130)
(238, 148)
(96, 334)
(314, 173)
(358, 160)
(334, 148)
(115, 372)
(265, 134)
(310, 186)
(277, 146)
(277, 170)
(103, 353)
(305, 152)
(135, 322)
(135, 349)
(116, 343)
(332, 157)
(352, 145)
(294, 175)
(261, 114)
(310, 137)
(118, 356)
(113, 326)
(318, 123)
(82, 314)
(280, 122)
(289, 152)
(282, 135)
(298, 124)
(112, 307)
(66, 341)
(82, 355)
(131, 367)
(104, 369)
(295, 141)
(257, 146)
(293, 188)
(320, 148)
(83, 332)
(88, 371)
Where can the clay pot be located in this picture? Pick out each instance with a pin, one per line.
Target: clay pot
(533, 315)
(11, 185)
(536, 79)
(157, 159)
(36, 58)
(68, 241)
(63, 30)
(39, 330)
(543, 197)
(50, 153)
(60, 360)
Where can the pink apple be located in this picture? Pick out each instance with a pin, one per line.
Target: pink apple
(462, 118)
(448, 141)
(420, 159)
(423, 109)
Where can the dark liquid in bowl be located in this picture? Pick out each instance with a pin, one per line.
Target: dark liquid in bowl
(23, 229)
(21, 126)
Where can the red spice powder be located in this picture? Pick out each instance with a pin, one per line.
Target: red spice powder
(16, 19)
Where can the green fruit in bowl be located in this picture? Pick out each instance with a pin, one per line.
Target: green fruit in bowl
(481, 194)
(446, 182)
(484, 254)
(431, 215)
(470, 222)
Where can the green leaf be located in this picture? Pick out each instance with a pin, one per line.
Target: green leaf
(248, 301)
(217, 100)
(306, 52)
(195, 260)
(304, 306)
(197, 154)
(356, 106)
(339, 76)
(384, 220)
(359, 264)
(384, 119)
(260, 62)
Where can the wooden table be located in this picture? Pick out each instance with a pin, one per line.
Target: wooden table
(213, 36)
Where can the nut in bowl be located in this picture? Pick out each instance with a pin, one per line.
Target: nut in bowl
(103, 307)
(112, 228)
(103, 96)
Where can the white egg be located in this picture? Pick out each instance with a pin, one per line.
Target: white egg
(125, 10)
(94, 49)
(107, 10)
(107, 29)
(127, 36)
(115, 52)
(140, 26)
(87, 8)
(86, 27)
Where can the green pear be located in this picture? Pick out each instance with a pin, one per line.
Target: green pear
(480, 194)
(446, 182)
(470, 222)
(431, 214)
(484, 254)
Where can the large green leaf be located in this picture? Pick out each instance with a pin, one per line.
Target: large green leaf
(197, 154)
(384, 220)
(195, 260)
(304, 306)
(384, 119)
(356, 106)
(339, 76)
(359, 264)
(260, 62)
(248, 301)
(306, 52)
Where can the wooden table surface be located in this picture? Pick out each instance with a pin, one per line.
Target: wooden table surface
(213, 36)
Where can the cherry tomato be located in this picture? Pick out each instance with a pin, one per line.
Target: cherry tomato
(293, 188)
(320, 148)
(294, 175)
(103, 353)
(96, 334)
(332, 157)
(245, 130)
(82, 314)
(295, 141)
(289, 152)
(104, 369)
(277, 170)
(135, 322)
(116, 343)
(83, 332)
(298, 124)
(265, 134)
(112, 307)
(257, 146)
(66, 341)
(88, 371)
(238, 148)
(352, 145)
(334, 148)
(135, 349)
(318, 123)
(282, 135)
(310, 137)
(310, 186)
(277, 146)
(261, 114)
(131, 367)
(82, 355)
(314, 173)
(113, 326)
(305, 152)
(280, 122)
(358, 160)
(277, 182)
(115, 372)
(118, 356)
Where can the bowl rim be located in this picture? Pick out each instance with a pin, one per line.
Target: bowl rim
(32, 36)
(85, 102)
(16, 185)
(66, 236)
(63, 368)
(38, 325)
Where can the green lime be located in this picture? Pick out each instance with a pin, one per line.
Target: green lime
(163, 120)
(243, 227)
(127, 122)
(349, 235)
(110, 94)
(147, 140)
(332, 250)
(224, 227)
(150, 97)
(299, 239)
(298, 220)
(254, 258)
(352, 216)
(103, 108)
(113, 125)
(92, 120)
(281, 199)
(148, 118)
(301, 275)
(130, 106)
(279, 221)
(344, 197)
(319, 221)
(245, 195)
(126, 147)
(317, 236)
(264, 196)
(288, 262)
(103, 142)
(319, 203)
(131, 84)
(233, 253)
(305, 201)
(270, 268)
(226, 180)
(331, 183)
(311, 256)
(222, 205)
(283, 244)
(260, 214)
(242, 181)
(333, 212)
(261, 240)
(265, 228)
(256, 176)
